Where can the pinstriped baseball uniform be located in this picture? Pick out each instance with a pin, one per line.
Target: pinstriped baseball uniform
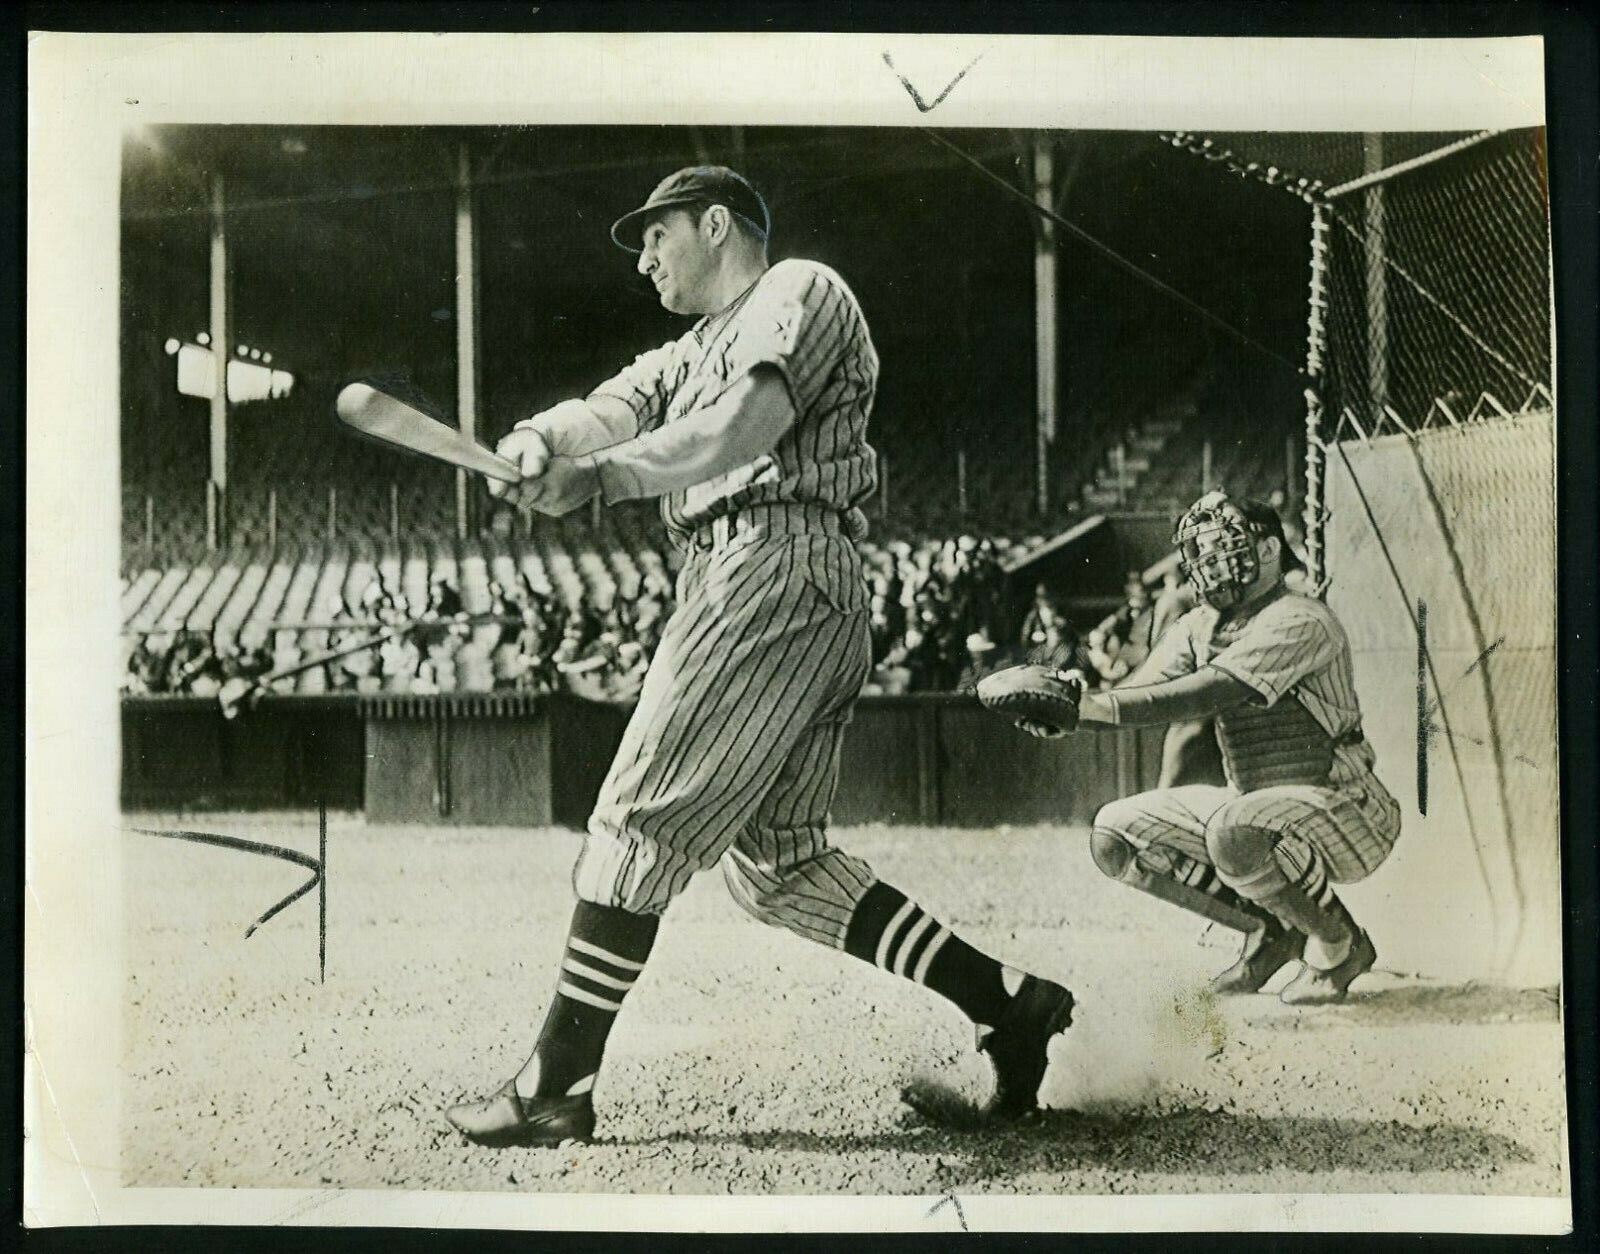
(801, 318)
(1286, 648)
(732, 753)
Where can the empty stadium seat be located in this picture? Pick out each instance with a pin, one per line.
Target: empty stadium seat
(137, 591)
(212, 597)
(231, 617)
(184, 598)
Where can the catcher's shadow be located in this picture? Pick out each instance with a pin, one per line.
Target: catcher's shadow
(1412, 1004)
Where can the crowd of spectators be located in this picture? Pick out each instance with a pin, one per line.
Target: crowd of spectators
(526, 641)
(934, 610)
(1107, 653)
(189, 662)
(937, 616)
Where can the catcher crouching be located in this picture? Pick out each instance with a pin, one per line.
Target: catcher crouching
(1302, 809)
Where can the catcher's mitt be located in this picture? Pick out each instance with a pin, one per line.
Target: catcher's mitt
(1041, 700)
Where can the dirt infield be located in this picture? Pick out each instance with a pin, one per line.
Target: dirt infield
(748, 1061)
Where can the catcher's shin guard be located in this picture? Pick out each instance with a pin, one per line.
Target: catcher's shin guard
(1206, 896)
(1248, 862)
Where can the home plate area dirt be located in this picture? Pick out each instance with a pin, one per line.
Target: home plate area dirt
(749, 1061)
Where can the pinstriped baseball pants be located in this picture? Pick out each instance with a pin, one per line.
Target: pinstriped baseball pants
(732, 753)
(1351, 828)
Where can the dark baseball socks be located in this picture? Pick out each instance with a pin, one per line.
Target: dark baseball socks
(606, 951)
(892, 932)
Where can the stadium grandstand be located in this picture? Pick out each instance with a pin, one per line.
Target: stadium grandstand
(256, 534)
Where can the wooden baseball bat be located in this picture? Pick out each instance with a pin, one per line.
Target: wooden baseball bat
(380, 416)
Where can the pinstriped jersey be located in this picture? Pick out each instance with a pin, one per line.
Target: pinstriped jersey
(1287, 645)
(800, 318)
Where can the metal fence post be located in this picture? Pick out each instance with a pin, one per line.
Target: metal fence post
(1316, 350)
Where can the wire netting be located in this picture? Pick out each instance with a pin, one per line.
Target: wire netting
(1440, 516)
(1439, 290)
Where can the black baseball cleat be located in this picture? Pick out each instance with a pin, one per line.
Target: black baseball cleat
(1267, 950)
(508, 1119)
(1038, 1011)
(1315, 987)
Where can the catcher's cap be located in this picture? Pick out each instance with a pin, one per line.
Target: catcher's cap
(1266, 521)
(696, 184)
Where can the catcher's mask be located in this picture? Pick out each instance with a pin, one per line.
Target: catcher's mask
(1216, 541)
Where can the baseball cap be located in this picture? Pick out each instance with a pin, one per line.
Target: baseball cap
(695, 184)
(1266, 521)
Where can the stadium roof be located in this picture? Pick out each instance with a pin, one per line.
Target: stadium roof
(342, 245)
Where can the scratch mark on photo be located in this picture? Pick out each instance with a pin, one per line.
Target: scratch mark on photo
(1484, 656)
(1425, 728)
(925, 106)
(950, 1199)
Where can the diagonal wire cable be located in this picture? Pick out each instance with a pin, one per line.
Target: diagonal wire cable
(1116, 258)
(1438, 305)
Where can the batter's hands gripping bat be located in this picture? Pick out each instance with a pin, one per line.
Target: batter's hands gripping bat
(380, 416)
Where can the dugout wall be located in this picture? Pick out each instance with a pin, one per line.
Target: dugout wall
(928, 759)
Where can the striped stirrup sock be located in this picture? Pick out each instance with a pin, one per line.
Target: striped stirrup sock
(891, 931)
(1320, 953)
(606, 951)
(1302, 899)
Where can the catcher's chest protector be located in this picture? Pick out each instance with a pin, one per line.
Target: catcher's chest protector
(1264, 747)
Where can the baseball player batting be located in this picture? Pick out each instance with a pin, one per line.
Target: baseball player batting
(752, 430)
(1301, 810)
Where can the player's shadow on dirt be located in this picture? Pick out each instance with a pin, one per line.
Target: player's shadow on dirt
(1227, 1144)
(1159, 1143)
(1414, 1004)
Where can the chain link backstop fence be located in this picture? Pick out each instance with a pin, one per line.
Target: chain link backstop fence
(1439, 287)
(1437, 417)
(1430, 515)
